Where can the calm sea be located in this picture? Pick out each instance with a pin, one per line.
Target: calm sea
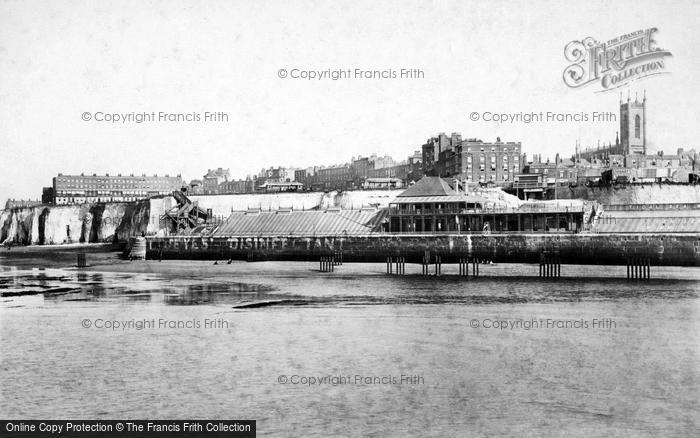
(354, 352)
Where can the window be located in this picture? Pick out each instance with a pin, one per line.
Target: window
(636, 125)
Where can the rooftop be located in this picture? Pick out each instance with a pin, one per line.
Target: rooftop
(429, 186)
(301, 223)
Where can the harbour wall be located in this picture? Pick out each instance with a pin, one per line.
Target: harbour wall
(594, 249)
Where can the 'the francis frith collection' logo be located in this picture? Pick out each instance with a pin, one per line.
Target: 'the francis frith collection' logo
(616, 62)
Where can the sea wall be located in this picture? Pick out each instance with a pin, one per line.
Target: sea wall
(669, 250)
(634, 194)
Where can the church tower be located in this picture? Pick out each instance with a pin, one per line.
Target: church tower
(633, 125)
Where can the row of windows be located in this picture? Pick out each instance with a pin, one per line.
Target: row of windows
(493, 159)
(493, 167)
(493, 149)
(77, 192)
(482, 178)
(166, 180)
(82, 200)
(561, 172)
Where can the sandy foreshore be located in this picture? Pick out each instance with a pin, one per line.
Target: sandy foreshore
(61, 256)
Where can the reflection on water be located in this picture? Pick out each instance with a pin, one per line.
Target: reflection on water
(639, 378)
(218, 293)
(58, 285)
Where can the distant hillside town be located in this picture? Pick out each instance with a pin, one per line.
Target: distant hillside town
(500, 164)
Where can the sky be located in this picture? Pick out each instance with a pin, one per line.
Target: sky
(62, 59)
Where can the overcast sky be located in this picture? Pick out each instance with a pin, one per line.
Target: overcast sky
(59, 59)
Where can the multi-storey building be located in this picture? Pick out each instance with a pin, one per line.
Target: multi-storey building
(361, 168)
(472, 160)
(305, 176)
(239, 186)
(333, 178)
(77, 189)
(381, 162)
(277, 174)
(436, 147)
(399, 171)
(195, 187)
(212, 180)
(488, 162)
(47, 195)
(415, 163)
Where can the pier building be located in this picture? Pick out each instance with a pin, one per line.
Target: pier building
(432, 205)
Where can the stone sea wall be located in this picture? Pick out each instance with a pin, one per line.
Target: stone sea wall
(634, 194)
(658, 249)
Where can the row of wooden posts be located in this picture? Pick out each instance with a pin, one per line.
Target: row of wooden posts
(328, 263)
(396, 264)
(549, 266)
(639, 268)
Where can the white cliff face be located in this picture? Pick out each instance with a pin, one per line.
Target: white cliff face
(112, 216)
(17, 226)
(63, 224)
(4, 218)
(9, 227)
(158, 207)
(34, 234)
